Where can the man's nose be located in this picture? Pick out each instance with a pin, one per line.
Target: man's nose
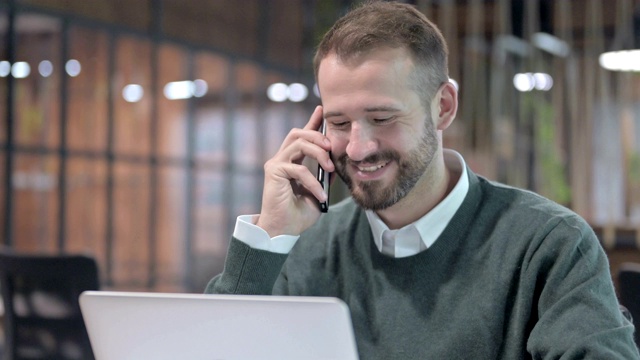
(362, 142)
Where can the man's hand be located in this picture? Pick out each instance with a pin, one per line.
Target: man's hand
(291, 192)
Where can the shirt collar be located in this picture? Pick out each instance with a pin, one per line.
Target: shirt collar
(421, 234)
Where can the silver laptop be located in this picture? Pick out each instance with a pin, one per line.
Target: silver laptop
(130, 325)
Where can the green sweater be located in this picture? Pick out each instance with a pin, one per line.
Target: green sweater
(513, 276)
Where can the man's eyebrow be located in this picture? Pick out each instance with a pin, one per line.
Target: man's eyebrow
(332, 114)
(382, 109)
(369, 109)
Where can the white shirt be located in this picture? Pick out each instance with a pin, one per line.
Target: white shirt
(407, 241)
(421, 234)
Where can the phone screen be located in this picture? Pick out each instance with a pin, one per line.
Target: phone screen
(323, 176)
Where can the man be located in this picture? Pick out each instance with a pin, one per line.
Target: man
(433, 261)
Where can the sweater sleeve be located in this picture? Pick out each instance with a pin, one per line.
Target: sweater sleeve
(578, 316)
(247, 271)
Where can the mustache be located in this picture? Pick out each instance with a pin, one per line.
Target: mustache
(382, 156)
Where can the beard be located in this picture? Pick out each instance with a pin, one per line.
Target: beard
(374, 195)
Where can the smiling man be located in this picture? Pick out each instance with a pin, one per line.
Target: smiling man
(433, 261)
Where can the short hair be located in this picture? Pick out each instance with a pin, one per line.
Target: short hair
(376, 24)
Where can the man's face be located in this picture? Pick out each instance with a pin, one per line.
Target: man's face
(383, 140)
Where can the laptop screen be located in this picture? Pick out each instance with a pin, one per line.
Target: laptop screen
(130, 325)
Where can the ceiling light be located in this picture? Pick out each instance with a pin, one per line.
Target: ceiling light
(5, 68)
(624, 60)
(132, 93)
(278, 92)
(298, 92)
(20, 70)
(45, 68)
(73, 67)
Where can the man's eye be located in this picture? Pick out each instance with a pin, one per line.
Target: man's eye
(340, 124)
(382, 120)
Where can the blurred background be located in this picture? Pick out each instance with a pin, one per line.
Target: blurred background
(135, 131)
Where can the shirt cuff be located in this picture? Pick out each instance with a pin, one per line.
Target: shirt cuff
(254, 236)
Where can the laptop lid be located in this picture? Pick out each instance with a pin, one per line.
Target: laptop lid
(131, 325)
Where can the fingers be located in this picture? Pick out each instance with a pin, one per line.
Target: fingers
(304, 179)
(315, 121)
(307, 142)
(301, 148)
(300, 136)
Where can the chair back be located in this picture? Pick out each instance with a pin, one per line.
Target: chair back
(42, 317)
(629, 292)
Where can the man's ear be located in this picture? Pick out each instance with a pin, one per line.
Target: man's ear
(446, 105)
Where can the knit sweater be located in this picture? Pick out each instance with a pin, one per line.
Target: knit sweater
(512, 276)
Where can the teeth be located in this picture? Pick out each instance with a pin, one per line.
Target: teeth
(370, 168)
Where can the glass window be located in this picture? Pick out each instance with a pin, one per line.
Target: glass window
(88, 86)
(37, 71)
(245, 138)
(131, 225)
(211, 113)
(132, 118)
(246, 151)
(86, 207)
(276, 118)
(35, 188)
(277, 126)
(247, 190)
(170, 229)
(211, 231)
(300, 115)
(174, 92)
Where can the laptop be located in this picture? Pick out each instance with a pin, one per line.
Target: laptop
(135, 325)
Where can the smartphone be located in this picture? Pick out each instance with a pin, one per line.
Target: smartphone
(323, 176)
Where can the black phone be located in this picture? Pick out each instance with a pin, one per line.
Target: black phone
(323, 176)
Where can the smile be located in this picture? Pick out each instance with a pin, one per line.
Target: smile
(371, 168)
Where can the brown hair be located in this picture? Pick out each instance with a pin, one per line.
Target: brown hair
(376, 24)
